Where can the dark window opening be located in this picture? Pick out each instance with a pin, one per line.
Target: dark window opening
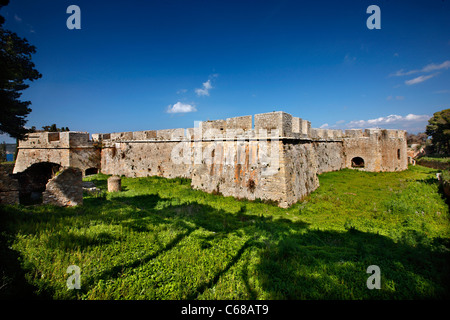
(53, 136)
(357, 162)
(398, 154)
(90, 171)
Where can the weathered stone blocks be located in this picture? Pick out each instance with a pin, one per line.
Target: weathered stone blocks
(9, 187)
(65, 189)
(114, 184)
(279, 120)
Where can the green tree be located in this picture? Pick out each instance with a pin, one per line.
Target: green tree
(439, 129)
(54, 128)
(16, 67)
(420, 138)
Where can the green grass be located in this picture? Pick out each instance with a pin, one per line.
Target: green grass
(159, 239)
(446, 175)
(436, 158)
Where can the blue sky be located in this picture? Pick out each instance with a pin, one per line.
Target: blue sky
(141, 65)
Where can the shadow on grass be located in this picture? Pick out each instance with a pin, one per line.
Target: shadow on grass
(299, 263)
(295, 261)
(117, 270)
(13, 283)
(332, 265)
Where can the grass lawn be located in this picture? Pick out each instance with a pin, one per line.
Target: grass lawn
(437, 158)
(159, 239)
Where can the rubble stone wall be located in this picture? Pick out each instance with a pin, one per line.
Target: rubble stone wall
(65, 189)
(9, 187)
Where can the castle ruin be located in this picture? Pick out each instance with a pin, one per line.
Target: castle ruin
(269, 156)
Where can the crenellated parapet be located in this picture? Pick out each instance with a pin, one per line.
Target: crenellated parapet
(67, 149)
(56, 140)
(278, 124)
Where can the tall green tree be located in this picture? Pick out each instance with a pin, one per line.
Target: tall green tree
(439, 129)
(16, 68)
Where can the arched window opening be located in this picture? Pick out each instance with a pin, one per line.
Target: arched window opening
(357, 162)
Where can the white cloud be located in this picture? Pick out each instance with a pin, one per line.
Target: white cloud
(181, 91)
(393, 119)
(180, 107)
(204, 91)
(433, 67)
(206, 86)
(428, 68)
(324, 126)
(442, 91)
(420, 79)
(17, 18)
(401, 73)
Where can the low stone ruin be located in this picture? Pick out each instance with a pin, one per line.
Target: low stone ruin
(9, 187)
(43, 183)
(114, 184)
(65, 189)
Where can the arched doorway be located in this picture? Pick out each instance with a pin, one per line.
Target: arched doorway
(357, 162)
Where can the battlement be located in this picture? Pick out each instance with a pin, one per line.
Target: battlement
(272, 125)
(55, 140)
(266, 125)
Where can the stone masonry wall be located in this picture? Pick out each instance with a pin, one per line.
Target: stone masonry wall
(68, 149)
(382, 150)
(29, 156)
(329, 155)
(277, 158)
(300, 169)
(9, 187)
(241, 169)
(65, 189)
(135, 159)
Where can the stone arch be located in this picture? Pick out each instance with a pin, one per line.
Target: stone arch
(33, 181)
(358, 162)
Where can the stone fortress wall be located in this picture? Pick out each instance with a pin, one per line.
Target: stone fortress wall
(270, 156)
